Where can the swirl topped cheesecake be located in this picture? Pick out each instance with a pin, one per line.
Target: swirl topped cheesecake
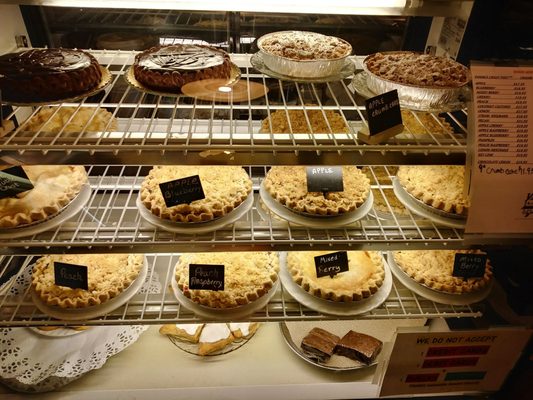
(168, 68)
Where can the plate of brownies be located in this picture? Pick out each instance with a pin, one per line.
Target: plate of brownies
(339, 351)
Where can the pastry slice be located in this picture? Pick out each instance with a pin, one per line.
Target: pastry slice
(214, 337)
(188, 332)
(243, 329)
(359, 347)
(319, 344)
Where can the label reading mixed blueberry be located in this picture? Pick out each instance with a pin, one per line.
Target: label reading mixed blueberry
(324, 179)
(206, 277)
(468, 265)
(383, 112)
(331, 264)
(182, 191)
(71, 275)
(13, 181)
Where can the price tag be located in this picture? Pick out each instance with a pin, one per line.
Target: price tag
(467, 265)
(331, 264)
(384, 118)
(324, 179)
(206, 277)
(13, 181)
(182, 191)
(71, 275)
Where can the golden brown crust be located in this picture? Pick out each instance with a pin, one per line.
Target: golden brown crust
(434, 268)
(364, 277)
(108, 275)
(382, 204)
(288, 186)
(310, 121)
(424, 123)
(440, 186)
(55, 186)
(225, 188)
(247, 277)
(187, 332)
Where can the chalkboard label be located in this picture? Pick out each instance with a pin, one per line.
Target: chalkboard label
(468, 265)
(383, 112)
(206, 277)
(324, 179)
(331, 264)
(71, 275)
(182, 191)
(13, 181)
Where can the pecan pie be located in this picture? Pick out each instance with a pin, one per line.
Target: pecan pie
(247, 277)
(54, 186)
(108, 276)
(439, 186)
(364, 277)
(225, 188)
(433, 268)
(288, 186)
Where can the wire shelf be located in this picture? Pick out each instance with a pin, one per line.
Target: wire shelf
(162, 307)
(168, 130)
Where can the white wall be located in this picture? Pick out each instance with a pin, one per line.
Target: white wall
(11, 24)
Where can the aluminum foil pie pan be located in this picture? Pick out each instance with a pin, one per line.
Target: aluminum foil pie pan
(300, 68)
(417, 97)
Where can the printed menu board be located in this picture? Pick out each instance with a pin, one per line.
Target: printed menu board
(501, 163)
(452, 361)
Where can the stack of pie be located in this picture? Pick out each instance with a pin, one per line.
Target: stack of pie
(364, 277)
(438, 186)
(434, 268)
(54, 187)
(288, 186)
(225, 188)
(108, 276)
(247, 277)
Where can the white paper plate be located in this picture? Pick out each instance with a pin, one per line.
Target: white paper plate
(226, 314)
(196, 227)
(333, 307)
(69, 211)
(455, 299)
(414, 207)
(315, 222)
(93, 311)
(57, 333)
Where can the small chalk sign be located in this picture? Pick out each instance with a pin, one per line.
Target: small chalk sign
(384, 118)
(324, 179)
(206, 277)
(71, 275)
(14, 181)
(469, 265)
(182, 191)
(331, 264)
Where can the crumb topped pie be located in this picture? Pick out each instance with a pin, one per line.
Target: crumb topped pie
(54, 187)
(439, 186)
(247, 277)
(225, 188)
(108, 276)
(288, 186)
(364, 277)
(310, 121)
(434, 268)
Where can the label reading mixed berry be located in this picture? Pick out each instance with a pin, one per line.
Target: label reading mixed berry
(331, 264)
(468, 265)
(182, 191)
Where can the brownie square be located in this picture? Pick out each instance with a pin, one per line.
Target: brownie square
(359, 346)
(319, 344)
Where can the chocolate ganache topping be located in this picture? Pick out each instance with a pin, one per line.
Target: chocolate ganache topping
(181, 58)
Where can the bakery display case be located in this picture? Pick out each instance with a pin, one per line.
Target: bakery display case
(263, 121)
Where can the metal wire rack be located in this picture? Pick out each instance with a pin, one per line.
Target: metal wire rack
(168, 130)
(162, 307)
(110, 222)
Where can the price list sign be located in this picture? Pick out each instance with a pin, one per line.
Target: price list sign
(501, 165)
(452, 361)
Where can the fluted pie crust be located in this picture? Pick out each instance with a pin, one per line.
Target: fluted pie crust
(54, 187)
(247, 277)
(288, 186)
(364, 277)
(225, 188)
(108, 276)
(434, 268)
(439, 186)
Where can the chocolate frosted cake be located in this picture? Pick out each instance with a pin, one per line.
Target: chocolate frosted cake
(359, 346)
(319, 344)
(47, 74)
(168, 68)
